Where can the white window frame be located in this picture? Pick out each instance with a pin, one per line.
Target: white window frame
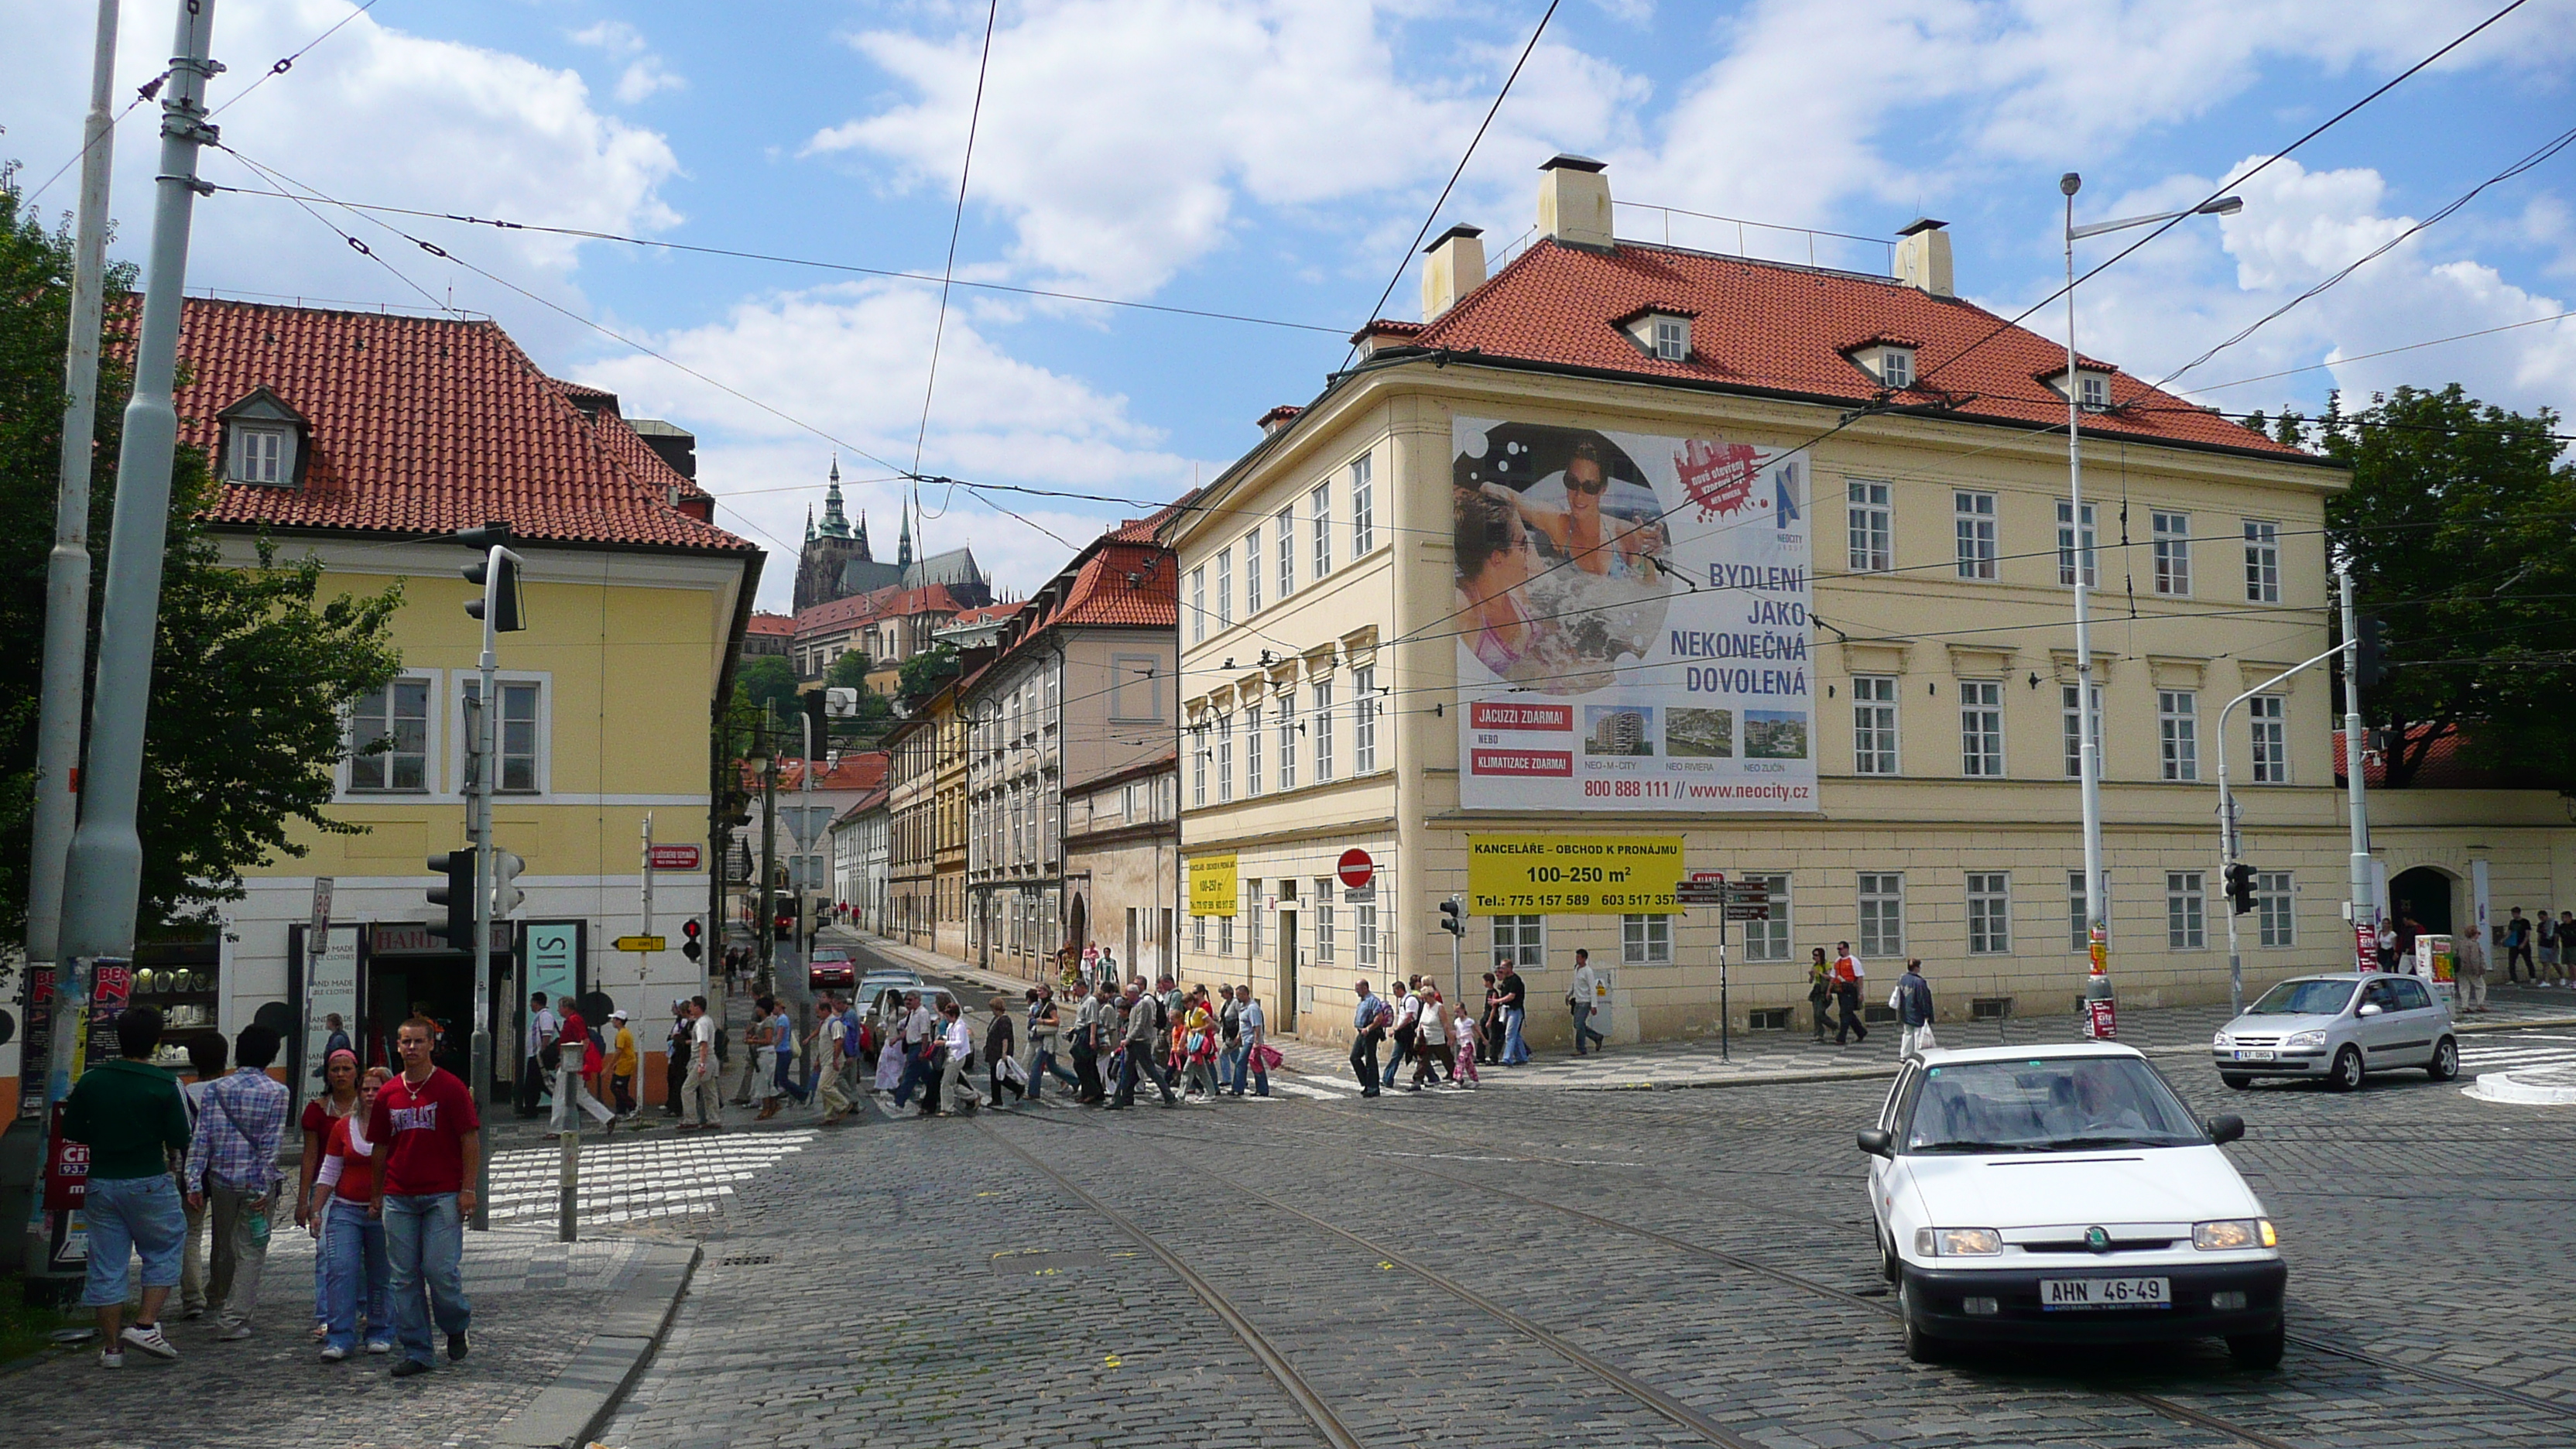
(469, 681)
(2267, 724)
(1253, 563)
(261, 453)
(1320, 728)
(1198, 934)
(2094, 391)
(2262, 561)
(1322, 908)
(1772, 937)
(432, 724)
(1285, 710)
(1287, 550)
(2172, 533)
(1989, 913)
(1896, 368)
(1363, 505)
(1646, 940)
(2066, 545)
(1364, 935)
(1225, 935)
(2071, 730)
(1198, 604)
(1981, 728)
(1224, 757)
(2186, 910)
(1974, 522)
(1364, 720)
(1252, 917)
(2276, 899)
(1671, 338)
(1319, 503)
(1252, 781)
(1129, 676)
(2178, 734)
(1879, 896)
(1225, 590)
(1523, 938)
(1870, 512)
(1874, 734)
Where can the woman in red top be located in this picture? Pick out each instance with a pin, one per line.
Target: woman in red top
(339, 1098)
(353, 1248)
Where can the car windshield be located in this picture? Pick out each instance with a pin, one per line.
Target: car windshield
(2059, 1105)
(2303, 998)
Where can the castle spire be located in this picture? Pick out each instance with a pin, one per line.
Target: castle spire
(903, 545)
(836, 524)
(864, 555)
(809, 523)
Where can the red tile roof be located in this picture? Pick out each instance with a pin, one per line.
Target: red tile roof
(858, 770)
(782, 625)
(892, 602)
(424, 425)
(2445, 766)
(988, 613)
(1782, 329)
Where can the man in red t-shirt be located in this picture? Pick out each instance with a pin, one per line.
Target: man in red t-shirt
(428, 1144)
(575, 1046)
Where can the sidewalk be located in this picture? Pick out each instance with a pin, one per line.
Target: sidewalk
(1755, 1058)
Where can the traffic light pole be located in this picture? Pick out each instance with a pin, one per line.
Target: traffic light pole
(496, 579)
(2230, 845)
(2365, 897)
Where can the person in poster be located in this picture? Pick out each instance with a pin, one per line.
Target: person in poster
(1559, 556)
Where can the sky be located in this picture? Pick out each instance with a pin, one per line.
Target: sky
(1273, 160)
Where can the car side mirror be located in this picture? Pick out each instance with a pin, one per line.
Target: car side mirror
(1877, 1143)
(2368, 1008)
(2225, 1127)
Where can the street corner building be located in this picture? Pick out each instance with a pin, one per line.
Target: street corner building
(1630, 561)
(361, 439)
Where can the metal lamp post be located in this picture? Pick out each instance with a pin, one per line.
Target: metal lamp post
(2088, 720)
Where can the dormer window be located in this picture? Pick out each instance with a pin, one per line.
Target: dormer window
(1889, 361)
(1896, 367)
(1660, 331)
(2092, 387)
(263, 441)
(1672, 338)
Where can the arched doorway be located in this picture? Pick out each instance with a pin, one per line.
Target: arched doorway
(1077, 927)
(2426, 892)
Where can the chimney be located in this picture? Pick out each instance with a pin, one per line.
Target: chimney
(1574, 202)
(1279, 417)
(1923, 258)
(1456, 267)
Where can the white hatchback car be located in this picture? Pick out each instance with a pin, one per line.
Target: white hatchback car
(2064, 1194)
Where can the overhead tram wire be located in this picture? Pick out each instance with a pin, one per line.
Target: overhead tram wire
(956, 224)
(2232, 184)
(2385, 352)
(1433, 215)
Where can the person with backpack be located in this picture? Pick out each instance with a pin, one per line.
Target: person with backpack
(1142, 1042)
(1093, 1031)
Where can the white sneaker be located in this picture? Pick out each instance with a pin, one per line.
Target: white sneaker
(333, 1353)
(148, 1338)
(110, 1358)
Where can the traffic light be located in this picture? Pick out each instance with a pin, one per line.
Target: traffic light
(508, 616)
(2240, 887)
(457, 896)
(817, 719)
(1453, 917)
(689, 947)
(506, 894)
(2370, 657)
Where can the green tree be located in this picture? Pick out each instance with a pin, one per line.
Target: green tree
(926, 671)
(850, 671)
(252, 668)
(2455, 528)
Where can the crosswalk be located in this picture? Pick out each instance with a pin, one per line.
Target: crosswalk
(2521, 1051)
(639, 1178)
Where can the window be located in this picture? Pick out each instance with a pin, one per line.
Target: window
(1521, 938)
(1225, 589)
(1225, 935)
(1896, 368)
(1199, 770)
(1198, 604)
(2078, 937)
(2268, 716)
(1198, 933)
(1768, 939)
(1873, 528)
(1646, 940)
(1672, 338)
(1882, 914)
(1252, 914)
(2272, 898)
(1252, 751)
(1287, 554)
(1364, 720)
(1252, 573)
(2178, 729)
(1287, 713)
(2173, 553)
(1135, 687)
(1976, 529)
(1364, 933)
(1874, 724)
(1321, 728)
(2066, 545)
(1323, 913)
(2073, 727)
(399, 715)
(2093, 390)
(1320, 504)
(262, 454)
(514, 735)
(1224, 757)
(1981, 727)
(2262, 562)
(2185, 929)
(1989, 913)
(1363, 507)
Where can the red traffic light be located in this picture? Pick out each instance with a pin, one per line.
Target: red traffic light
(689, 929)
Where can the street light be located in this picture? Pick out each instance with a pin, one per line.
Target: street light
(2088, 721)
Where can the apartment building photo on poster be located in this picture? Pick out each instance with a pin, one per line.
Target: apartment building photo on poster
(1633, 621)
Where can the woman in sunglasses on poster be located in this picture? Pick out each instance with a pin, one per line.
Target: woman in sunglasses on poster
(1615, 548)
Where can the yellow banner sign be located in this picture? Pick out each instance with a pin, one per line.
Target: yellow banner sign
(1213, 889)
(1572, 875)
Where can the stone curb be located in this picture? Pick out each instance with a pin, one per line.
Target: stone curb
(579, 1403)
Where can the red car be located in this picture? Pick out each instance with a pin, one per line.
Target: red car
(832, 966)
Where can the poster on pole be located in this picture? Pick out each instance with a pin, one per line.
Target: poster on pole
(1632, 621)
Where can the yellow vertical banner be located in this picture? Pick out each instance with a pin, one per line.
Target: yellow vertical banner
(1573, 875)
(1213, 888)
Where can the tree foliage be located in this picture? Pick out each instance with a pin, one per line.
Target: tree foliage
(850, 671)
(252, 667)
(2455, 528)
(926, 671)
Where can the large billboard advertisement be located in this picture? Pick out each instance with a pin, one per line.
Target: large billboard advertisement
(1632, 621)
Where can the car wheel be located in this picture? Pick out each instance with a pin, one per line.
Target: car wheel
(2446, 1060)
(2255, 1350)
(2237, 1080)
(2346, 1075)
(1920, 1347)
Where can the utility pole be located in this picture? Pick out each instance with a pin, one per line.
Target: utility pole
(2231, 847)
(765, 930)
(2365, 896)
(2089, 725)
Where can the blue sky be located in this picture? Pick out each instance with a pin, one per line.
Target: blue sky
(1273, 159)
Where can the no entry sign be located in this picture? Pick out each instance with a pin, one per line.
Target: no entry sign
(1356, 869)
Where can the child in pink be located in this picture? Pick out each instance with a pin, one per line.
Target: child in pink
(1462, 1030)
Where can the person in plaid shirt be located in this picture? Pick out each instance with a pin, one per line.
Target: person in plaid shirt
(232, 1164)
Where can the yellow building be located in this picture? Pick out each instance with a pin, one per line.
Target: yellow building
(1632, 560)
(361, 439)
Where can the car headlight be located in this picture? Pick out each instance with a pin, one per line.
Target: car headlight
(2222, 1041)
(2232, 1233)
(1957, 1242)
(2310, 1040)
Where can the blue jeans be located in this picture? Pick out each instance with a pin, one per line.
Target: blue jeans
(425, 1239)
(1245, 1063)
(1042, 1065)
(1515, 1051)
(354, 1262)
(126, 1216)
(1403, 1054)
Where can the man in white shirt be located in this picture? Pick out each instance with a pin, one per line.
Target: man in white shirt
(831, 1049)
(1407, 1009)
(542, 1030)
(701, 1095)
(1580, 999)
(955, 1085)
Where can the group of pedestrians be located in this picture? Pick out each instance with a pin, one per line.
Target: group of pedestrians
(1185, 1043)
(187, 1180)
(2540, 951)
(602, 1057)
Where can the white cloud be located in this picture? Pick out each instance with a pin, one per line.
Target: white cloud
(645, 75)
(615, 37)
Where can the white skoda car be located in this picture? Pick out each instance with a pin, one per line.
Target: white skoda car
(2065, 1195)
